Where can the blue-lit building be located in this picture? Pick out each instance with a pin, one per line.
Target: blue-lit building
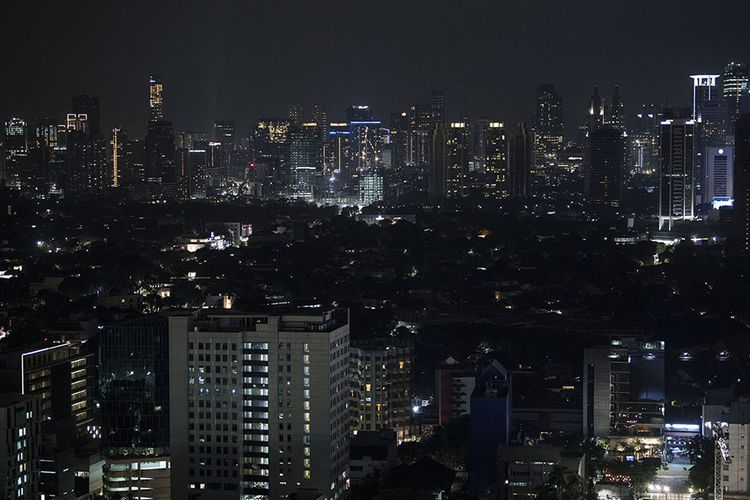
(490, 425)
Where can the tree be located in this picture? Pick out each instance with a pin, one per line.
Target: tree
(701, 475)
(563, 484)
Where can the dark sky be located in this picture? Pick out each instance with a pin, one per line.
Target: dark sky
(242, 59)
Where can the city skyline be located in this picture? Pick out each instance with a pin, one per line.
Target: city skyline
(238, 64)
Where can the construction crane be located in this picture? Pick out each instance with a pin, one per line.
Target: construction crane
(721, 456)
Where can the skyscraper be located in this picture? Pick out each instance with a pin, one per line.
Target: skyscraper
(710, 117)
(677, 169)
(741, 212)
(497, 176)
(296, 114)
(607, 165)
(20, 439)
(86, 159)
(135, 407)
(437, 105)
(437, 185)
(519, 159)
(719, 173)
(305, 158)
(155, 98)
(616, 111)
(258, 404)
(596, 112)
(88, 105)
(459, 142)
(547, 134)
(117, 157)
(734, 83)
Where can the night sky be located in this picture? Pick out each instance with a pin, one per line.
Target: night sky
(243, 59)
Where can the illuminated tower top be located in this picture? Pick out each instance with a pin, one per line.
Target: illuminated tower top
(155, 98)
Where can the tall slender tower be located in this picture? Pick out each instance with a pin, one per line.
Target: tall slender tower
(438, 186)
(677, 169)
(741, 215)
(155, 98)
(520, 162)
(734, 83)
(548, 134)
(616, 111)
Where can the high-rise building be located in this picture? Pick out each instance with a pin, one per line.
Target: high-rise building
(296, 114)
(269, 143)
(88, 105)
(734, 83)
(135, 170)
(400, 140)
(319, 115)
(438, 178)
(719, 173)
(382, 385)
(135, 407)
(643, 157)
(364, 142)
(710, 117)
(258, 404)
(192, 173)
(117, 157)
(519, 161)
(155, 98)
(615, 114)
(305, 159)
(676, 170)
(159, 153)
(547, 134)
(596, 115)
(741, 211)
(497, 176)
(421, 130)
(459, 143)
(623, 392)
(437, 105)
(20, 441)
(370, 188)
(607, 165)
(490, 425)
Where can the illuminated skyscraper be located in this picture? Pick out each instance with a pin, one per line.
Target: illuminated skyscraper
(155, 98)
(741, 212)
(364, 141)
(459, 140)
(595, 117)
(643, 157)
(607, 157)
(421, 128)
(117, 156)
(547, 134)
(677, 170)
(437, 106)
(497, 177)
(616, 111)
(519, 159)
(296, 114)
(719, 173)
(734, 84)
(305, 159)
(710, 117)
(86, 162)
(88, 105)
(269, 152)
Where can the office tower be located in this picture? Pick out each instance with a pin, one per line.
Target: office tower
(438, 180)
(458, 160)
(479, 131)
(643, 157)
(547, 134)
(135, 407)
(734, 83)
(519, 160)
(454, 384)
(155, 98)
(20, 441)
(16, 137)
(364, 142)
(305, 159)
(117, 156)
(269, 152)
(192, 173)
(623, 392)
(497, 176)
(607, 165)
(616, 112)
(596, 114)
(88, 105)
(437, 106)
(421, 129)
(382, 385)
(741, 212)
(224, 136)
(159, 153)
(337, 152)
(259, 404)
(719, 173)
(490, 425)
(710, 117)
(296, 114)
(224, 132)
(135, 170)
(400, 140)
(319, 115)
(370, 188)
(676, 169)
